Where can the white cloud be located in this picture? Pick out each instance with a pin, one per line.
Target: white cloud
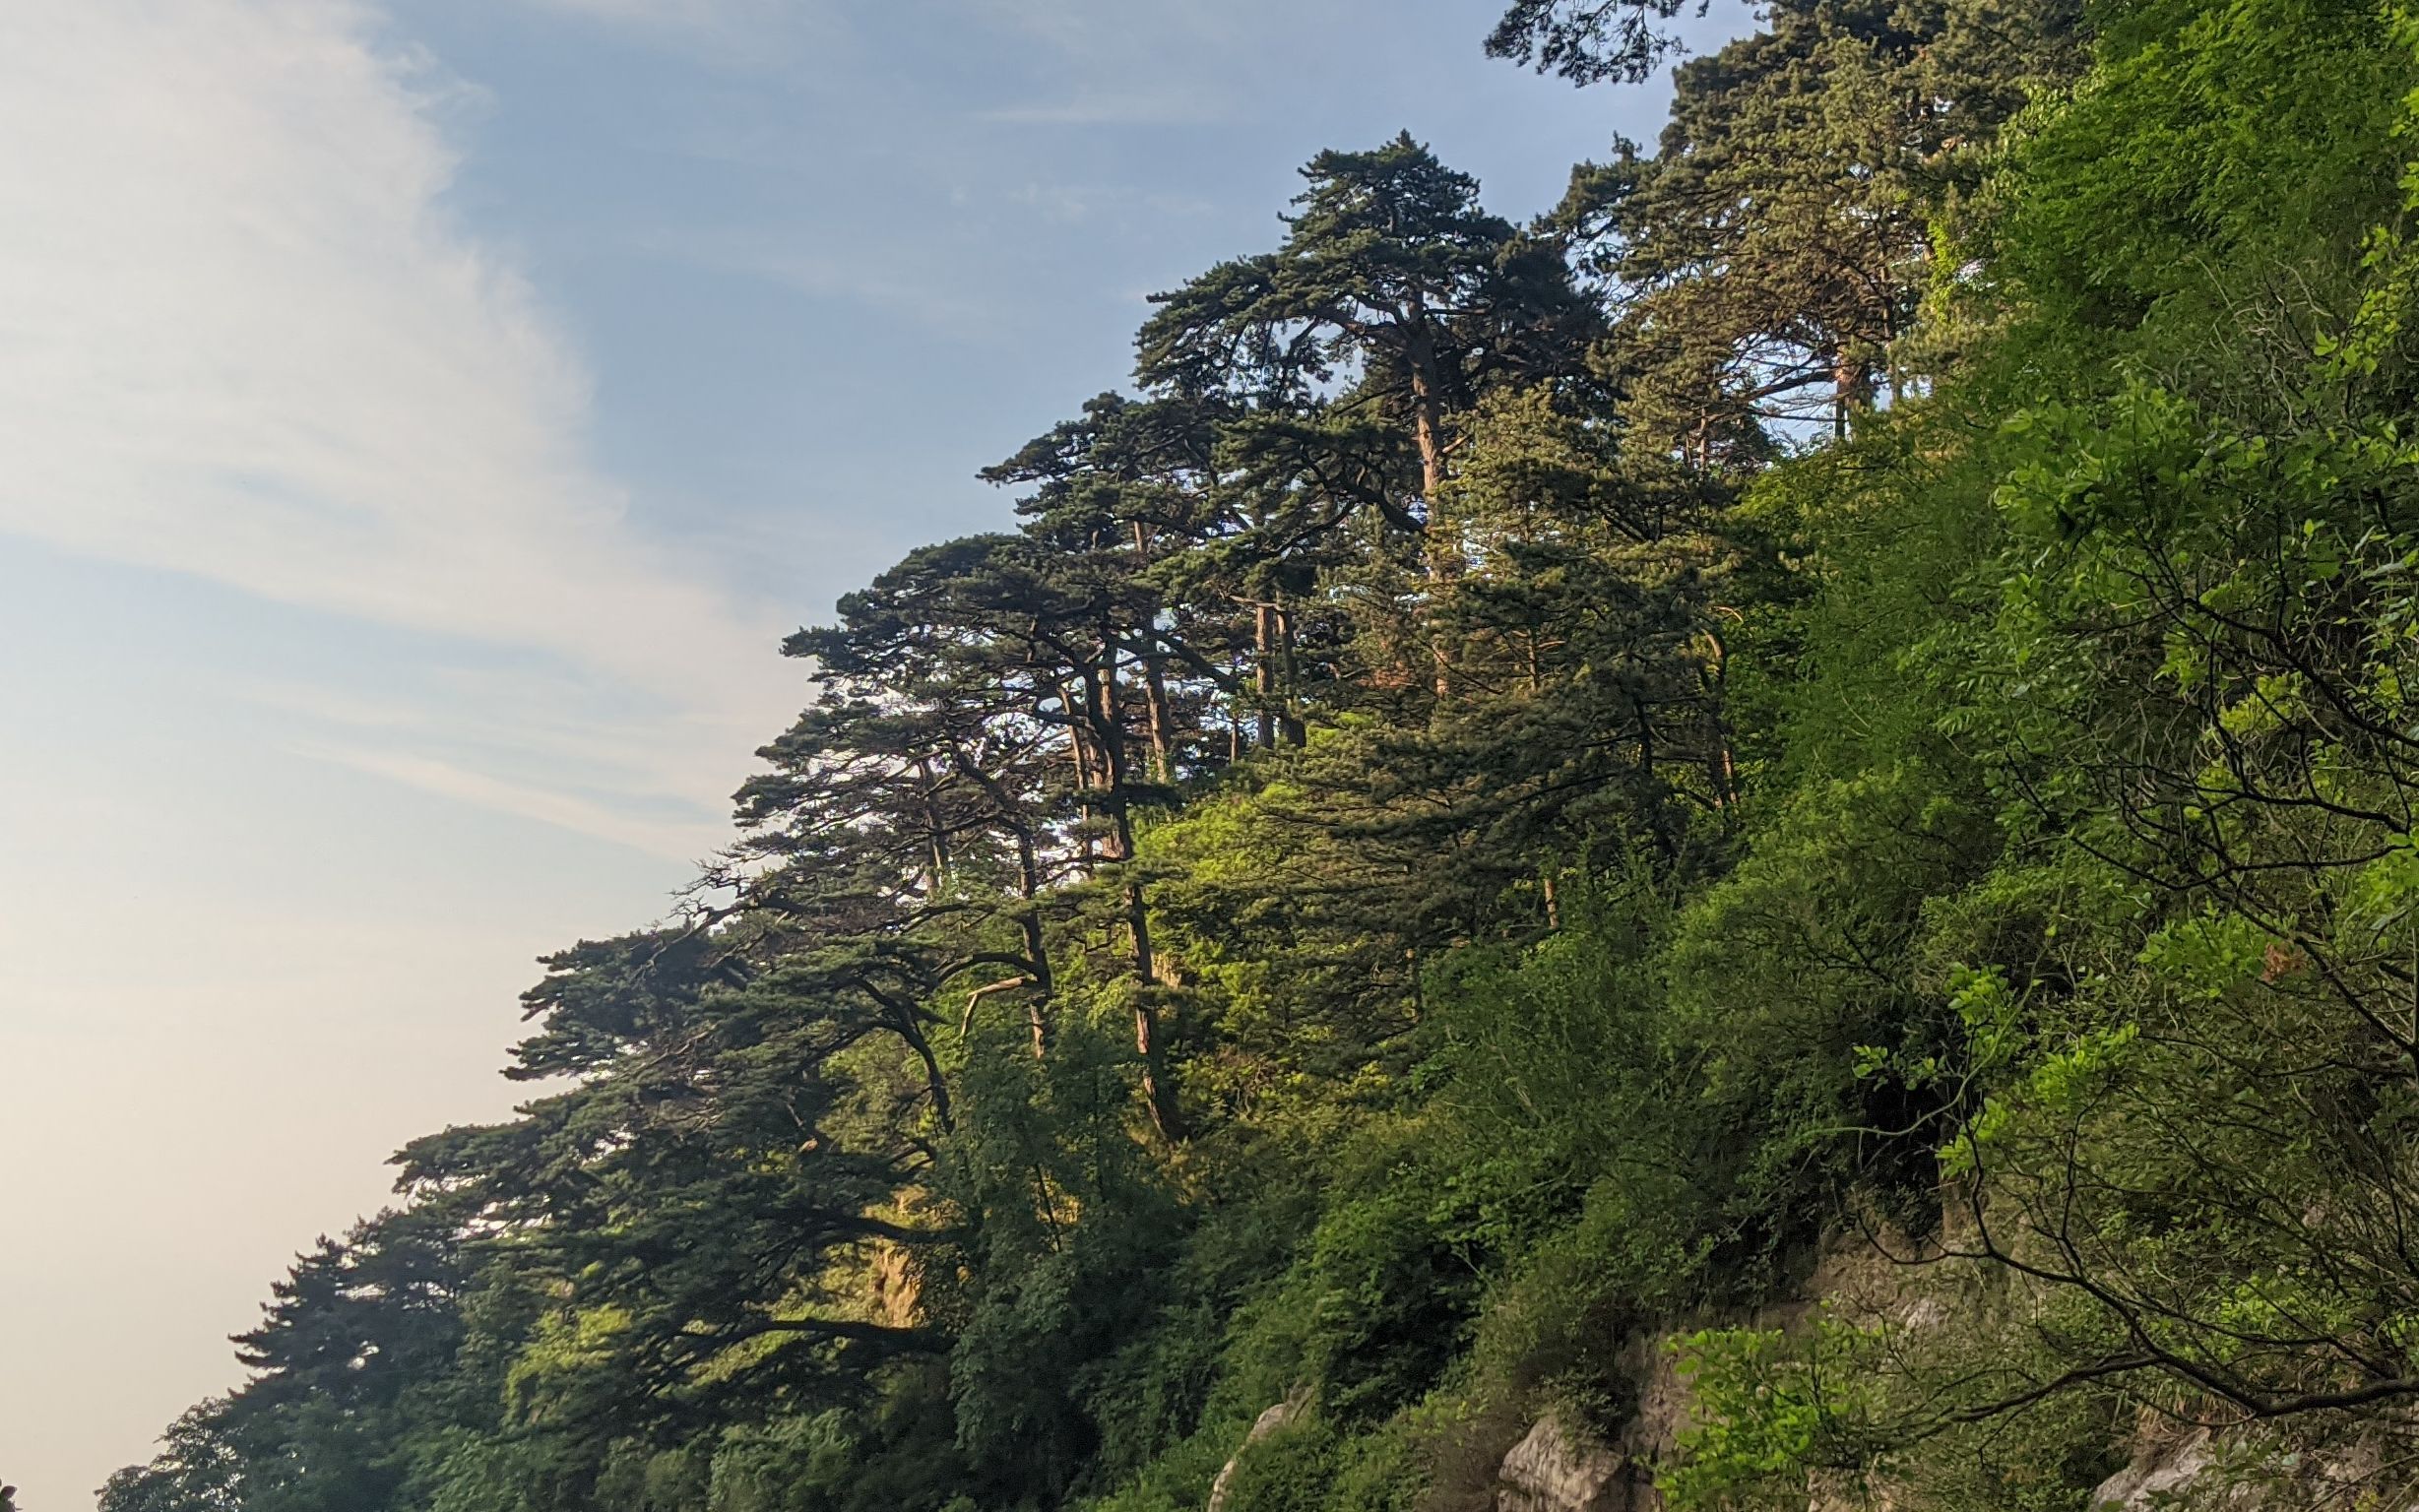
(241, 338)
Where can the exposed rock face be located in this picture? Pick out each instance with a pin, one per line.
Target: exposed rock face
(2217, 1473)
(1552, 1471)
(1274, 1421)
(2155, 1481)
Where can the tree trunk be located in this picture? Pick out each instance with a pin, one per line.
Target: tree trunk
(1441, 547)
(1163, 720)
(1104, 777)
(1265, 663)
(1722, 768)
(1851, 391)
(934, 1082)
(1110, 767)
(1157, 1085)
(937, 835)
(1288, 719)
(1029, 889)
(1079, 745)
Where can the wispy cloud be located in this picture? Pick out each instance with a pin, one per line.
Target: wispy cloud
(742, 36)
(651, 11)
(900, 284)
(679, 15)
(1177, 63)
(672, 839)
(1167, 107)
(245, 340)
(1166, 32)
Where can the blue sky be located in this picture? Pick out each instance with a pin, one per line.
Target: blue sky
(418, 423)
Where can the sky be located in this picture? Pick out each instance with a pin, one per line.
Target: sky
(419, 423)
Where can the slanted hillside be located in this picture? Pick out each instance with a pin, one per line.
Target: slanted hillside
(1752, 847)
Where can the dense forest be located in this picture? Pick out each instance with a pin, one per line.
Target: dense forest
(1756, 845)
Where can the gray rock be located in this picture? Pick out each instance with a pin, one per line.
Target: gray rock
(1274, 1421)
(1550, 1470)
(2140, 1485)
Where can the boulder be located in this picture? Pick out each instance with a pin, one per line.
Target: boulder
(1550, 1470)
(1274, 1421)
(2156, 1479)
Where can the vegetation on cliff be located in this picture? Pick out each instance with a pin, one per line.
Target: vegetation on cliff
(1857, 686)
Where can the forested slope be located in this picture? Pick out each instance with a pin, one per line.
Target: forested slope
(1528, 798)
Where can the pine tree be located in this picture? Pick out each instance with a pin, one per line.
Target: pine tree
(1589, 42)
(1766, 263)
(1392, 280)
